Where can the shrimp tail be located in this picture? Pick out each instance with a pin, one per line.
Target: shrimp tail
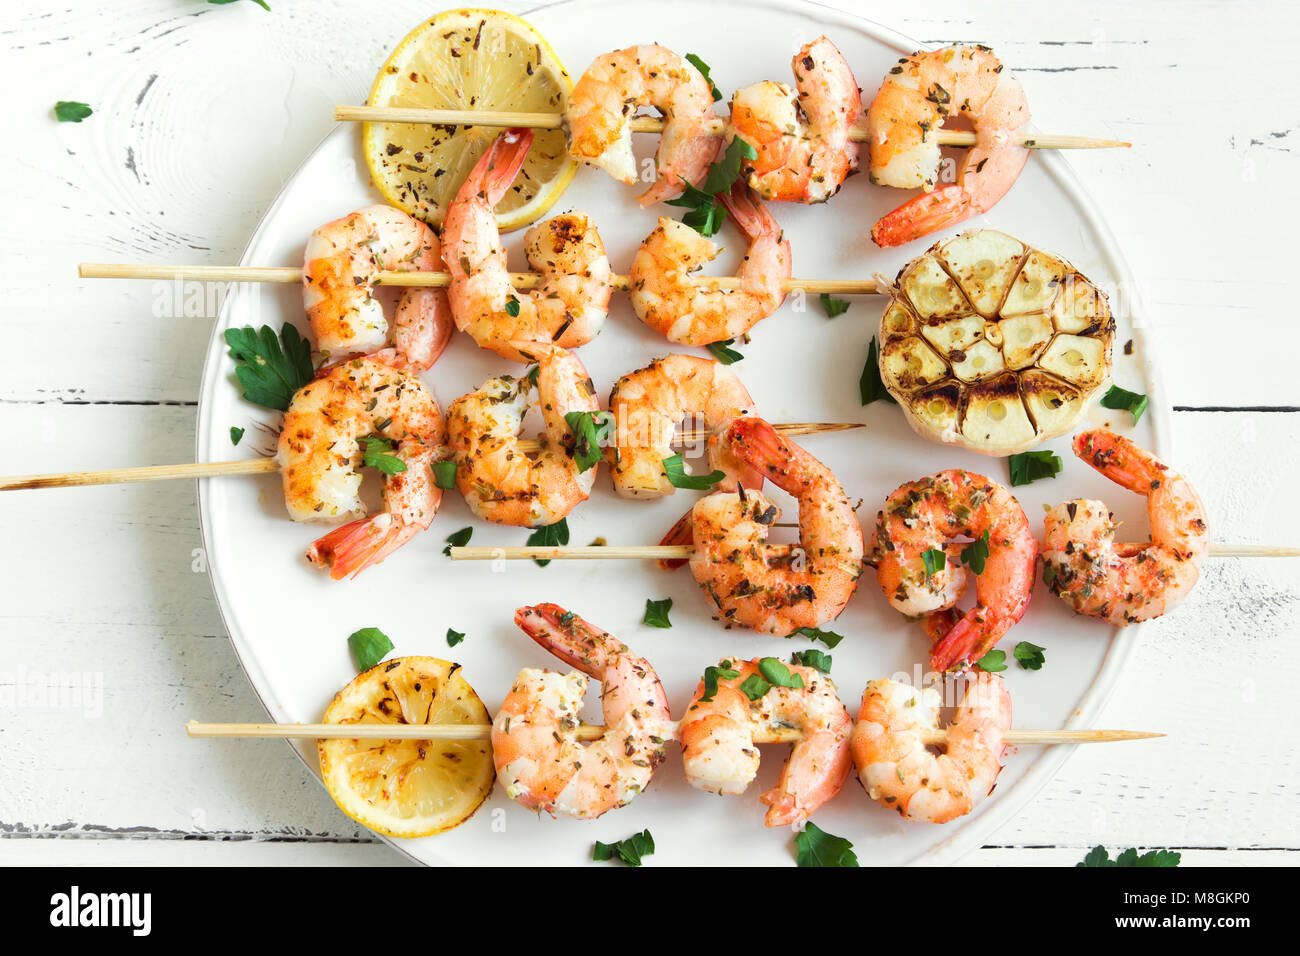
(350, 549)
(683, 532)
(497, 168)
(924, 214)
(573, 640)
(746, 210)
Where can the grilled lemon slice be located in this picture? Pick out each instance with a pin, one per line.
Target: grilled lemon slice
(990, 344)
(468, 60)
(408, 788)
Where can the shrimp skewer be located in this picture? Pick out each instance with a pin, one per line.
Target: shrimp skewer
(693, 311)
(777, 588)
(320, 453)
(718, 735)
(914, 100)
(343, 260)
(925, 515)
(569, 307)
(539, 759)
(802, 139)
(1125, 583)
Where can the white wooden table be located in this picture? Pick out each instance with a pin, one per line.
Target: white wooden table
(201, 112)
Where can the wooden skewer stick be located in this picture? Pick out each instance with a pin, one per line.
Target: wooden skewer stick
(371, 731)
(261, 466)
(425, 280)
(646, 552)
(653, 124)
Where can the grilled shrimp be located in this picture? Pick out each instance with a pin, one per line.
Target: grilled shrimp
(1125, 583)
(569, 306)
(924, 516)
(500, 482)
(608, 95)
(899, 771)
(913, 102)
(720, 756)
(342, 259)
(691, 312)
(777, 588)
(539, 758)
(801, 138)
(320, 451)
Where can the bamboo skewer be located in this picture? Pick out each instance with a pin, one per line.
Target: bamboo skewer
(665, 552)
(371, 731)
(426, 280)
(261, 466)
(653, 124)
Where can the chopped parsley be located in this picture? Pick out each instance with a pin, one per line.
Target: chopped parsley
(703, 67)
(712, 675)
(590, 432)
(818, 848)
(457, 539)
(993, 662)
(444, 474)
(630, 851)
(268, 373)
(1098, 856)
(550, 536)
(976, 553)
(1029, 656)
(236, 435)
(723, 353)
(870, 387)
(1123, 399)
(1031, 465)
(378, 454)
(369, 645)
(935, 560)
(829, 638)
(675, 469)
(812, 657)
(834, 306)
(656, 613)
(454, 637)
(70, 111)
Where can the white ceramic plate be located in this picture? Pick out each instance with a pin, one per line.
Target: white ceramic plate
(289, 623)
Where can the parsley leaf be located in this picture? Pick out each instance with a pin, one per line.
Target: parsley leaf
(1031, 465)
(833, 306)
(268, 374)
(457, 539)
(819, 848)
(976, 553)
(1098, 856)
(829, 638)
(675, 469)
(1029, 656)
(870, 387)
(377, 454)
(454, 637)
(812, 657)
(935, 560)
(444, 474)
(712, 675)
(1122, 398)
(369, 645)
(705, 215)
(260, 3)
(70, 111)
(630, 851)
(550, 536)
(754, 687)
(512, 307)
(532, 374)
(703, 67)
(993, 662)
(236, 435)
(721, 352)
(778, 674)
(590, 431)
(656, 613)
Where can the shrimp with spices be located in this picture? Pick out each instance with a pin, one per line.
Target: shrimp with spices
(915, 99)
(777, 588)
(801, 138)
(899, 771)
(338, 277)
(608, 95)
(320, 453)
(693, 312)
(500, 482)
(926, 515)
(1125, 583)
(569, 307)
(717, 736)
(539, 759)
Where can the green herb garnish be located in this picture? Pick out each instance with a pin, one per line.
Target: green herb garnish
(818, 848)
(812, 657)
(1031, 465)
(935, 560)
(1123, 399)
(1098, 856)
(369, 645)
(236, 435)
(454, 637)
(512, 307)
(721, 352)
(1029, 656)
(444, 474)
(656, 613)
(590, 432)
(675, 469)
(550, 536)
(976, 553)
(993, 662)
(829, 638)
(378, 454)
(703, 67)
(870, 387)
(712, 675)
(457, 539)
(261, 3)
(834, 306)
(269, 374)
(705, 211)
(630, 851)
(70, 111)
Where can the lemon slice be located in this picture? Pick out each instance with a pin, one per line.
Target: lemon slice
(408, 788)
(468, 60)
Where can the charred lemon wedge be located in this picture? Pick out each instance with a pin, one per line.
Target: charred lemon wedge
(993, 345)
(408, 788)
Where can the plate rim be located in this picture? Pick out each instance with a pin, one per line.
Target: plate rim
(993, 814)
